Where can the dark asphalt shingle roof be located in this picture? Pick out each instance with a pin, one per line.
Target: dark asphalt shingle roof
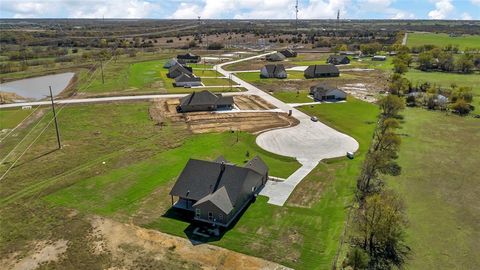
(203, 180)
(274, 70)
(321, 69)
(184, 77)
(205, 98)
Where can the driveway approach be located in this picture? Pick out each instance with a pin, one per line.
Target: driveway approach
(308, 142)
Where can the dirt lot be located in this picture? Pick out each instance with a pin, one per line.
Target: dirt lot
(203, 122)
(252, 103)
(132, 247)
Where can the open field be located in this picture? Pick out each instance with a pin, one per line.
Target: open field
(305, 233)
(440, 184)
(96, 152)
(293, 97)
(464, 41)
(10, 118)
(134, 182)
(445, 79)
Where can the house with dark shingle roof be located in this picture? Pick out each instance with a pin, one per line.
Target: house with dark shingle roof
(172, 62)
(318, 71)
(338, 60)
(204, 101)
(178, 70)
(189, 58)
(273, 71)
(187, 80)
(324, 92)
(275, 57)
(289, 53)
(217, 191)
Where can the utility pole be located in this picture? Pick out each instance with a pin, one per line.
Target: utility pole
(101, 67)
(296, 17)
(55, 119)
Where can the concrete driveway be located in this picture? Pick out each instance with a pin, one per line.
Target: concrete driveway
(308, 142)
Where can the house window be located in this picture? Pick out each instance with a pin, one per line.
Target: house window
(210, 215)
(197, 212)
(220, 217)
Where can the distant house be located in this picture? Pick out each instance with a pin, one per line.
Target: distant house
(189, 58)
(172, 62)
(351, 53)
(289, 53)
(323, 92)
(217, 191)
(204, 101)
(178, 70)
(317, 71)
(338, 60)
(273, 71)
(187, 80)
(379, 58)
(275, 57)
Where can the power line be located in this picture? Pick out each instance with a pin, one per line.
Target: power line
(28, 147)
(10, 132)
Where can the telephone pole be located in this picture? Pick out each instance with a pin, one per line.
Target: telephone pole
(296, 17)
(101, 67)
(55, 119)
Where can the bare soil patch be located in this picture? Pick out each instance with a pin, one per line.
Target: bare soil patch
(252, 102)
(203, 122)
(43, 252)
(128, 244)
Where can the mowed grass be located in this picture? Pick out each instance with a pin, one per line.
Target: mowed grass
(292, 97)
(10, 118)
(440, 183)
(255, 76)
(305, 234)
(441, 40)
(124, 189)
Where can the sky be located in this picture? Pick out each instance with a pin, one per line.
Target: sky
(243, 9)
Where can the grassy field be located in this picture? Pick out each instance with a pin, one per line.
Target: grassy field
(255, 76)
(293, 97)
(465, 41)
(445, 79)
(440, 184)
(10, 118)
(305, 233)
(141, 163)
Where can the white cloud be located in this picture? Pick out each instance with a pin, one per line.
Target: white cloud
(401, 15)
(443, 8)
(80, 9)
(466, 16)
(475, 2)
(324, 9)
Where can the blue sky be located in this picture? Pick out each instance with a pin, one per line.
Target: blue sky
(242, 9)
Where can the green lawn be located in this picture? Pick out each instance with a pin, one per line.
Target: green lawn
(367, 62)
(292, 97)
(305, 233)
(10, 118)
(255, 76)
(124, 189)
(441, 186)
(444, 79)
(465, 41)
(143, 159)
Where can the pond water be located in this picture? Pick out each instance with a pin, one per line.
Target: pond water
(37, 87)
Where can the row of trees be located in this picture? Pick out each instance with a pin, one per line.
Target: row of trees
(437, 59)
(377, 239)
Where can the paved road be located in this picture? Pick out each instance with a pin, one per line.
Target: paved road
(404, 40)
(109, 99)
(309, 142)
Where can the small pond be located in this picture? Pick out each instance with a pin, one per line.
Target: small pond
(37, 88)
